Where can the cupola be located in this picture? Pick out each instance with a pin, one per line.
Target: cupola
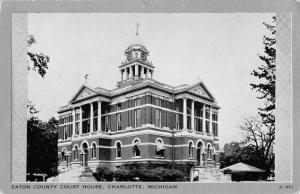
(136, 65)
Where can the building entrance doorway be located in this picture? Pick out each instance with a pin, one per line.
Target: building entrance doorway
(199, 151)
(84, 154)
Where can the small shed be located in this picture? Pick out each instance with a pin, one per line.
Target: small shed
(243, 172)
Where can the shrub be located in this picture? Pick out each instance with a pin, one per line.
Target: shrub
(150, 175)
(103, 173)
(172, 175)
(123, 175)
(153, 172)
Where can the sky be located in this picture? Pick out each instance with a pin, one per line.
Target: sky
(218, 48)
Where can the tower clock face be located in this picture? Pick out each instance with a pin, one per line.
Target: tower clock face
(129, 56)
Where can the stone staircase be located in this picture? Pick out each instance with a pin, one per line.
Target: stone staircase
(208, 174)
(74, 174)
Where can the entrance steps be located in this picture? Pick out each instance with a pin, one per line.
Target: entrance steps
(208, 174)
(74, 174)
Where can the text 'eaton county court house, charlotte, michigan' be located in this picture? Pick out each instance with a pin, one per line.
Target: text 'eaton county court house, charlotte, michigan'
(140, 120)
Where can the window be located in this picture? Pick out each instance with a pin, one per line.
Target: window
(198, 124)
(65, 132)
(177, 122)
(118, 150)
(137, 102)
(93, 150)
(77, 128)
(215, 123)
(143, 56)
(137, 117)
(208, 151)
(190, 149)
(86, 126)
(158, 102)
(207, 126)
(215, 116)
(64, 155)
(77, 116)
(160, 149)
(215, 128)
(129, 56)
(76, 153)
(118, 106)
(207, 112)
(136, 148)
(118, 121)
(189, 123)
(201, 112)
(106, 123)
(179, 105)
(157, 117)
(95, 124)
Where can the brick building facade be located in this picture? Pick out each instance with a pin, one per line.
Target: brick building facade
(140, 120)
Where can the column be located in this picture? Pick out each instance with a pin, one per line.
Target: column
(146, 74)
(121, 74)
(129, 73)
(131, 68)
(99, 116)
(210, 120)
(193, 116)
(203, 118)
(73, 121)
(151, 73)
(142, 72)
(136, 70)
(91, 117)
(80, 120)
(184, 113)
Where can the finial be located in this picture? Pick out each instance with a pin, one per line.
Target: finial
(137, 29)
(86, 78)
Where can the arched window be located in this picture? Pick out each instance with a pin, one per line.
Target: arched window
(190, 149)
(160, 149)
(93, 150)
(208, 151)
(136, 148)
(63, 155)
(76, 153)
(118, 150)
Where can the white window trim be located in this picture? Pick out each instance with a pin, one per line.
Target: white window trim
(117, 149)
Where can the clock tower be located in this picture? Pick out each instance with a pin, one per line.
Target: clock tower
(136, 65)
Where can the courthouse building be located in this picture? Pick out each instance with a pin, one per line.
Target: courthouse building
(140, 120)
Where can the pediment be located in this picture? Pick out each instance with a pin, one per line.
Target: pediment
(201, 90)
(83, 92)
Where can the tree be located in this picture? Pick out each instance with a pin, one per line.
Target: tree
(41, 136)
(266, 75)
(235, 152)
(39, 60)
(261, 130)
(42, 146)
(260, 141)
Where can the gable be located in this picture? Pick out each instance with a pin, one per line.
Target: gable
(83, 93)
(201, 90)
